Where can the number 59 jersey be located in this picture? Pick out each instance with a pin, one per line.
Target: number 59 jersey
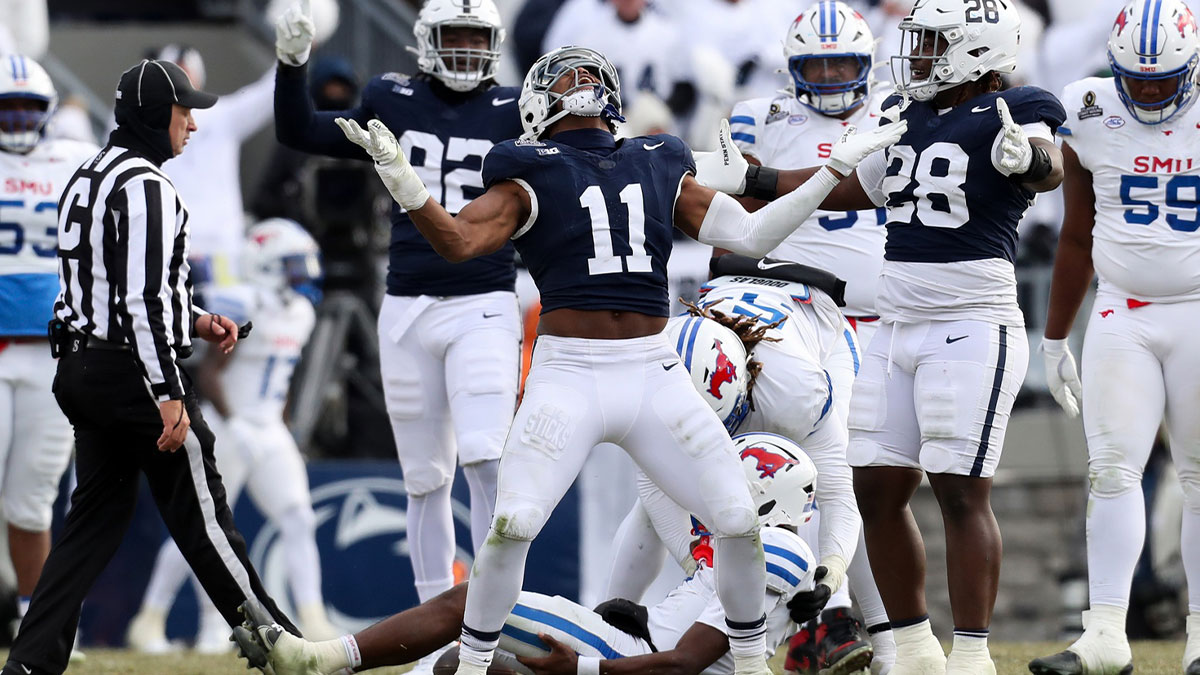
(30, 187)
(948, 205)
(1146, 181)
(598, 235)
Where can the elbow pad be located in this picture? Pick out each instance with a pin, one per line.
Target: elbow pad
(727, 225)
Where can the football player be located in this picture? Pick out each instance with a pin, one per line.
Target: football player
(35, 437)
(592, 219)
(937, 382)
(245, 395)
(829, 50)
(803, 355)
(449, 334)
(685, 633)
(1131, 218)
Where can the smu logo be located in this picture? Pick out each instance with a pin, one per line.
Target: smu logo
(769, 462)
(724, 373)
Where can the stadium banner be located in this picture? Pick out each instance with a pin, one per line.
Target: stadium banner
(365, 571)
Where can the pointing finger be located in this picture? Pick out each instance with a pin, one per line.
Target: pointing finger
(1002, 108)
(306, 7)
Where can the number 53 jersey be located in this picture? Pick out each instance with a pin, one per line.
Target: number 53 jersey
(1146, 180)
(951, 216)
(598, 235)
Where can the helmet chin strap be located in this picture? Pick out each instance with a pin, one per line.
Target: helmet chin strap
(585, 101)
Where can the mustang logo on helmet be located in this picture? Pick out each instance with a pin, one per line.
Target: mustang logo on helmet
(769, 463)
(724, 372)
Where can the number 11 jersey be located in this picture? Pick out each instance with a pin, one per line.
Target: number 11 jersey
(951, 216)
(598, 235)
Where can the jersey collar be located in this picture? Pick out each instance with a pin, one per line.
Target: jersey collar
(586, 139)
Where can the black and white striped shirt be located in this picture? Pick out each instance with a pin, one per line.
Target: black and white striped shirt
(123, 270)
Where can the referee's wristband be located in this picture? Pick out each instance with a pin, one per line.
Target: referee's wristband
(588, 665)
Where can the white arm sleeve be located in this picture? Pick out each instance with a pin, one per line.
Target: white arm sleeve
(727, 225)
(870, 176)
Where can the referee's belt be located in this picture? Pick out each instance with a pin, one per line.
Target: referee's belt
(77, 342)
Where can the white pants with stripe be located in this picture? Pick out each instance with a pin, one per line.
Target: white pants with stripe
(937, 396)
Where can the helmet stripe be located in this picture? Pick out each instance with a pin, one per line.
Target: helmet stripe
(1154, 27)
(821, 12)
(832, 20)
(693, 331)
(1145, 22)
(12, 66)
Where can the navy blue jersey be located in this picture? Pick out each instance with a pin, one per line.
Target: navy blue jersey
(445, 135)
(945, 200)
(599, 235)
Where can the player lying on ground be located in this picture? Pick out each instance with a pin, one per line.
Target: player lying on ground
(552, 635)
(574, 199)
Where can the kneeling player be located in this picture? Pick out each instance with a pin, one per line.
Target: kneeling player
(685, 633)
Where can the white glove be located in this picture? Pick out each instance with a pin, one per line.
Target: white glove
(851, 149)
(1062, 375)
(1011, 151)
(835, 572)
(390, 163)
(723, 169)
(294, 34)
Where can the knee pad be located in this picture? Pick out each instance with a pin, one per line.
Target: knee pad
(403, 395)
(299, 519)
(734, 521)
(520, 522)
(424, 478)
(1109, 476)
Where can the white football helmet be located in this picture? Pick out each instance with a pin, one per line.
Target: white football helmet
(830, 30)
(587, 99)
(978, 37)
(23, 79)
(1155, 40)
(279, 254)
(716, 359)
(460, 69)
(781, 476)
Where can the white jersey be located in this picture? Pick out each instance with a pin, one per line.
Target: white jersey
(257, 378)
(790, 566)
(771, 300)
(1147, 185)
(783, 133)
(30, 186)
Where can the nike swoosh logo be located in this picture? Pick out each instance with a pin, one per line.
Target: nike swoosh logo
(653, 147)
(502, 101)
(978, 109)
(952, 341)
(488, 316)
(764, 265)
(668, 366)
(27, 670)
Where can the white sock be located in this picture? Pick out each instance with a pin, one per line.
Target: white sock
(300, 551)
(431, 542)
(1116, 530)
(970, 641)
(914, 634)
(481, 479)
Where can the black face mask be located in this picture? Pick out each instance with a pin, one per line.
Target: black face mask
(145, 129)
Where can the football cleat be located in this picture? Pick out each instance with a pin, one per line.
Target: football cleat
(802, 656)
(1193, 668)
(1068, 662)
(973, 663)
(1099, 651)
(840, 645)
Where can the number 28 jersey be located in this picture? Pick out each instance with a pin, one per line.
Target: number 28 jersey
(951, 216)
(1146, 180)
(598, 235)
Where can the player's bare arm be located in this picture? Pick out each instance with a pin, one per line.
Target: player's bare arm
(482, 227)
(1073, 261)
(698, 649)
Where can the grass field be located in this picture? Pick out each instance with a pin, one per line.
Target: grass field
(1150, 658)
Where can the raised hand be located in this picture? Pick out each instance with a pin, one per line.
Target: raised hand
(390, 163)
(294, 31)
(723, 169)
(1011, 153)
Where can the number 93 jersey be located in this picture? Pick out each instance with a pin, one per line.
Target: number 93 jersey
(1146, 181)
(947, 204)
(30, 186)
(598, 235)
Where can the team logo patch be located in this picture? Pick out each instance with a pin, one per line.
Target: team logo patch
(528, 142)
(1185, 22)
(1114, 122)
(1090, 109)
(403, 91)
(776, 113)
(398, 78)
(797, 119)
(768, 463)
(547, 151)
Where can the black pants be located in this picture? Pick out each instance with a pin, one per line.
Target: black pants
(117, 426)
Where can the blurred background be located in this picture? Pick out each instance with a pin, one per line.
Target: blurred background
(683, 64)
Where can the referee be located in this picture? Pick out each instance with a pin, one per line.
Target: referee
(124, 319)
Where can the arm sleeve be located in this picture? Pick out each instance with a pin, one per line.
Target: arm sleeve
(248, 109)
(870, 176)
(150, 213)
(727, 225)
(298, 124)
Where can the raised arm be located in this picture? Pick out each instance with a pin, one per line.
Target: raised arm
(481, 227)
(717, 219)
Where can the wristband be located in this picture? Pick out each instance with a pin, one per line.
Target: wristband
(1039, 166)
(761, 182)
(588, 665)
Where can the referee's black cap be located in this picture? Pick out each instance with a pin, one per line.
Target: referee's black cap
(153, 83)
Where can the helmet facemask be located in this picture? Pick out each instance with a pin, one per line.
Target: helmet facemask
(22, 119)
(821, 84)
(923, 68)
(596, 96)
(444, 50)
(828, 50)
